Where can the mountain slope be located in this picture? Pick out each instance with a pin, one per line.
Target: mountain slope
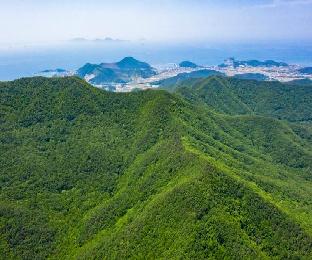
(90, 174)
(235, 96)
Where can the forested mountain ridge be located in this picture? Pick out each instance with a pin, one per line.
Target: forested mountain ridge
(235, 96)
(90, 174)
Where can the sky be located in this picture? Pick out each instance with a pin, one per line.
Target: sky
(37, 21)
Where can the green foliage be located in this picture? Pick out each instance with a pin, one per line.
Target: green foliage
(235, 96)
(207, 172)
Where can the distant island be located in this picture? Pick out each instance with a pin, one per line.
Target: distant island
(56, 70)
(49, 73)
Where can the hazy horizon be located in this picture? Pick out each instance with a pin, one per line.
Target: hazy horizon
(37, 35)
(34, 22)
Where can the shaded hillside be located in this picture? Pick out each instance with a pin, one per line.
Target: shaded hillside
(300, 82)
(252, 76)
(89, 174)
(173, 81)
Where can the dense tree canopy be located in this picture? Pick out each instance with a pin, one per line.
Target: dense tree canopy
(220, 168)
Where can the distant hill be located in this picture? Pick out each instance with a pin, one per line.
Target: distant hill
(129, 63)
(306, 70)
(166, 83)
(267, 63)
(120, 72)
(251, 76)
(56, 70)
(252, 63)
(188, 64)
